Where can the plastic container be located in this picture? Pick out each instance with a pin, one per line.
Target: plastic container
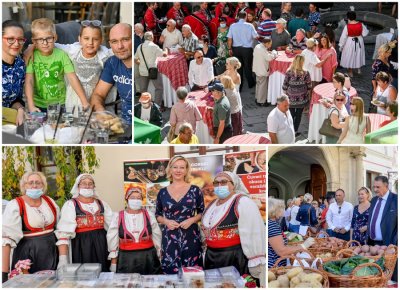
(68, 272)
(89, 271)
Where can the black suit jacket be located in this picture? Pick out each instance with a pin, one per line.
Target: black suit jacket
(389, 219)
(155, 114)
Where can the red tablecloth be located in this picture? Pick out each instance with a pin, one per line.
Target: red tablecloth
(281, 63)
(248, 139)
(326, 90)
(376, 120)
(204, 100)
(174, 66)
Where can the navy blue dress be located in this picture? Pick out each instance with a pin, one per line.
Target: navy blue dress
(359, 220)
(180, 247)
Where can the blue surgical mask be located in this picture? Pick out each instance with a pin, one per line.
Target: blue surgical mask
(34, 193)
(135, 204)
(222, 25)
(222, 191)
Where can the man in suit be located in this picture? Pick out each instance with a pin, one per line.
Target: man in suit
(382, 221)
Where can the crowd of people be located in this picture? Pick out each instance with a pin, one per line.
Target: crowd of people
(180, 233)
(215, 37)
(35, 81)
(373, 221)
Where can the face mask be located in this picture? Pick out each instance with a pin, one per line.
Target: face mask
(135, 204)
(201, 45)
(34, 193)
(222, 191)
(222, 25)
(86, 192)
(146, 106)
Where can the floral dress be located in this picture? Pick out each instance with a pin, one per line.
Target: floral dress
(180, 247)
(222, 44)
(359, 220)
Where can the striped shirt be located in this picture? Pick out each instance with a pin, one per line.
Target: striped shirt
(265, 28)
(274, 230)
(190, 43)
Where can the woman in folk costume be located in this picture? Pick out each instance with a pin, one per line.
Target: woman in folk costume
(134, 237)
(83, 225)
(234, 229)
(28, 226)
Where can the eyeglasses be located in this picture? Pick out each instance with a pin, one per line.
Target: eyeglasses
(43, 40)
(339, 100)
(221, 182)
(12, 40)
(86, 184)
(340, 209)
(95, 23)
(199, 57)
(123, 40)
(32, 183)
(352, 104)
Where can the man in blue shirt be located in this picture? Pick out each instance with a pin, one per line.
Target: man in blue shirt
(240, 44)
(117, 71)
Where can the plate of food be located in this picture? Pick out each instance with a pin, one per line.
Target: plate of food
(105, 119)
(377, 103)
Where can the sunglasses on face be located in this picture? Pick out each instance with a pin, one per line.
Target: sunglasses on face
(12, 40)
(199, 57)
(339, 100)
(95, 23)
(221, 182)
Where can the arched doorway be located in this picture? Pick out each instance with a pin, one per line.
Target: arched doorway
(303, 169)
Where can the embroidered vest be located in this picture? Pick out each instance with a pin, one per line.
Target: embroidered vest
(226, 231)
(26, 227)
(127, 241)
(354, 30)
(85, 221)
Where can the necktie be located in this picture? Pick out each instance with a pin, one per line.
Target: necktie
(374, 218)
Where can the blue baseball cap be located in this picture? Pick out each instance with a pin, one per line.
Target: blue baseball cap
(216, 87)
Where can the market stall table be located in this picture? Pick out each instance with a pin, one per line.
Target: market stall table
(204, 127)
(277, 71)
(248, 139)
(146, 133)
(319, 112)
(174, 73)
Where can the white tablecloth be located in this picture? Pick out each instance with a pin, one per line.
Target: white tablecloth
(202, 133)
(275, 83)
(318, 115)
(169, 94)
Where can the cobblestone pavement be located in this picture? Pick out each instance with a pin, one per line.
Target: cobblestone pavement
(255, 117)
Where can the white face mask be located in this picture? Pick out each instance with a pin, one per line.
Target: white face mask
(86, 192)
(135, 204)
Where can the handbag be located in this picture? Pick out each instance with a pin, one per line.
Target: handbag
(153, 71)
(171, 134)
(327, 129)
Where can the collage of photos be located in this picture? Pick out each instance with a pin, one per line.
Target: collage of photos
(237, 106)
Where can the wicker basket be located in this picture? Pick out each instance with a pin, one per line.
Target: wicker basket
(283, 270)
(318, 249)
(352, 281)
(390, 260)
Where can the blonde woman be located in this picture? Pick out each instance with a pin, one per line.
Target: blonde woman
(277, 241)
(236, 104)
(359, 223)
(297, 86)
(232, 66)
(382, 62)
(28, 226)
(353, 131)
(179, 207)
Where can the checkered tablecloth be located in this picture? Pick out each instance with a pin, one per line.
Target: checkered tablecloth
(174, 66)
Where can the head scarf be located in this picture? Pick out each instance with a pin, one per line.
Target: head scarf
(75, 189)
(238, 185)
(132, 188)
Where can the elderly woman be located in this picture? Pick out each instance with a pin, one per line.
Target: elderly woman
(277, 241)
(359, 223)
(183, 111)
(307, 215)
(234, 229)
(28, 226)
(179, 207)
(13, 68)
(134, 237)
(83, 225)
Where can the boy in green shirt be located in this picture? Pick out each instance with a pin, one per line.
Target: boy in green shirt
(44, 81)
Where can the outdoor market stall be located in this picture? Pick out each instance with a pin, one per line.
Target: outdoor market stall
(146, 133)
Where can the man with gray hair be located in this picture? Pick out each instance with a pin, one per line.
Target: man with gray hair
(186, 135)
(190, 41)
(145, 57)
(171, 36)
(280, 36)
(138, 36)
(280, 122)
